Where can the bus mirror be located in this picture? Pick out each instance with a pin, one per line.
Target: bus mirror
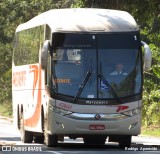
(44, 54)
(147, 56)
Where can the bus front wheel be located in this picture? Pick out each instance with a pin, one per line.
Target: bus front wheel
(51, 140)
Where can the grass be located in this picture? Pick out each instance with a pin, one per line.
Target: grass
(6, 109)
(151, 131)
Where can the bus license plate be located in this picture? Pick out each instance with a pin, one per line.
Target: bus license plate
(96, 127)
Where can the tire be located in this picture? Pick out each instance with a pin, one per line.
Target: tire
(19, 119)
(51, 140)
(26, 136)
(125, 141)
(94, 140)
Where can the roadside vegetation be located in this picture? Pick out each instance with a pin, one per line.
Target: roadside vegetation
(147, 15)
(152, 130)
(6, 109)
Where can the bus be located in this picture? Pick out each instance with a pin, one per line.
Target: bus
(63, 83)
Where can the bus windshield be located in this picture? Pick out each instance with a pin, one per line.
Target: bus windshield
(96, 66)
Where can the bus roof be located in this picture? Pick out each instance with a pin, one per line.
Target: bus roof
(83, 20)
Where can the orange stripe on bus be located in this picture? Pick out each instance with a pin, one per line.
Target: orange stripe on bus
(34, 69)
(33, 121)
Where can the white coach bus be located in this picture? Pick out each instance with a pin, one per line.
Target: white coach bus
(64, 80)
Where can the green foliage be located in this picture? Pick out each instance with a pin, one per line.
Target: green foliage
(5, 72)
(77, 4)
(146, 13)
(6, 109)
(151, 97)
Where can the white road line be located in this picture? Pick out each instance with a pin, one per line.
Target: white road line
(54, 152)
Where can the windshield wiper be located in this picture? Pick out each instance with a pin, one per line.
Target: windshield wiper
(82, 85)
(112, 91)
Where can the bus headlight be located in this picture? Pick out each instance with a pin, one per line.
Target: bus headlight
(60, 111)
(132, 112)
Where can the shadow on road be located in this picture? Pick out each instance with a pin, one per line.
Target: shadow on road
(82, 147)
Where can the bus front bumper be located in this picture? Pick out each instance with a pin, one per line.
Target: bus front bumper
(100, 124)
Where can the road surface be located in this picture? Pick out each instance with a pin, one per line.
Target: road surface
(10, 141)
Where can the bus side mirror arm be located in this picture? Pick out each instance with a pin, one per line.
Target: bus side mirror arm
(147, 56)
(44, 54)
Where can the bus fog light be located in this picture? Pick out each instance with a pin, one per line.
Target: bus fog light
(60, 125)
(133, 125)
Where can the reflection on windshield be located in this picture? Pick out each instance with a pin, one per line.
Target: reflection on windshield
(77, 64)
(77, 71)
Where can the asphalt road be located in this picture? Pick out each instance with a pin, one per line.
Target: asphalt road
(10, 144)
